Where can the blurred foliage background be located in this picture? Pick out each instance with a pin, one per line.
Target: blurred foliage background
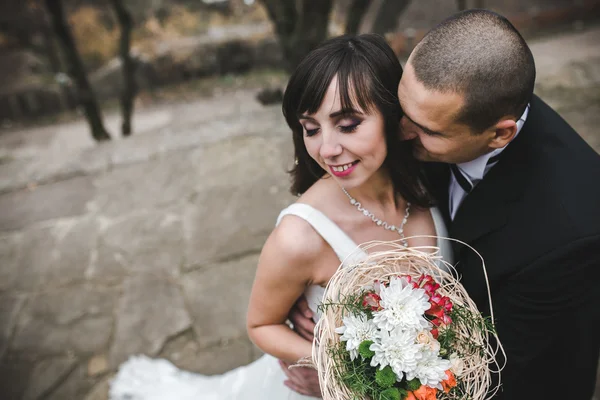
(66, 55)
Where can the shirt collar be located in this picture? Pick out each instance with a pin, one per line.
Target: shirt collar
(476, 169)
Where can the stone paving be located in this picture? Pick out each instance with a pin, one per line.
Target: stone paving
(149, 245)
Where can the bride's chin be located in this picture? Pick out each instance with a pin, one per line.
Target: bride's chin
(349, 183)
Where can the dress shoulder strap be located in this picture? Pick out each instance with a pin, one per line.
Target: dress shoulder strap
(344, 247)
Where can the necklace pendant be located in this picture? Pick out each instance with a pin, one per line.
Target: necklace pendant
(379, 222)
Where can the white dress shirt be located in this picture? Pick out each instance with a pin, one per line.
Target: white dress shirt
(474, 171)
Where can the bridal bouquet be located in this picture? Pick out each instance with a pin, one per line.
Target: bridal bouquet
(398, 326)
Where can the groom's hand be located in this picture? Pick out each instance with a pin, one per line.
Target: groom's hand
(301, 318)
(302, 380)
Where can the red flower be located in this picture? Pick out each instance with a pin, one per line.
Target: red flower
(371, 301)
(440, 322)
(446, 320)
(409, 279)
(431, 287)
(440, 307)
(435, 298)
(435, 311)
(422, 278)
(428, 283)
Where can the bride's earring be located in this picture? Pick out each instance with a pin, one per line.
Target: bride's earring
(296, 161)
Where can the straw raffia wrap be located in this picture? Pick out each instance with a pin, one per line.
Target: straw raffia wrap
(394, 260)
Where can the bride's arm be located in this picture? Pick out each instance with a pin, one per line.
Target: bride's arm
(284, 271)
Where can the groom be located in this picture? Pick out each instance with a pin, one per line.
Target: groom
(517, 183)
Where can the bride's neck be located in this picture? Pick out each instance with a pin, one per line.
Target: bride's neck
(379, 190)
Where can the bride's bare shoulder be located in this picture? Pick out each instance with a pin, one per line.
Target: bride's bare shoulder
(295, 240)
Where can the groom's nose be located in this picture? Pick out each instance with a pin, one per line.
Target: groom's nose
(406, 131)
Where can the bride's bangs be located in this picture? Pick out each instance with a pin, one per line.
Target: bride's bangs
(312, 90)
(355, 86)
(353, 79)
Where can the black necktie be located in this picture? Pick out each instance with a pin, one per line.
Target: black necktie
(465, 183)
(460, 178)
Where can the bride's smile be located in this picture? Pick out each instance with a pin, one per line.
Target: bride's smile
(343, 170)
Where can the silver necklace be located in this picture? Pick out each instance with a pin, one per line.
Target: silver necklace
(379, 222)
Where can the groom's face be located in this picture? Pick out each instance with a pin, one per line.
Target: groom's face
(430, 120)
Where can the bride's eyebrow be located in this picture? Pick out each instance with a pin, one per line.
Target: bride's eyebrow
(344, 112)
(304, 116)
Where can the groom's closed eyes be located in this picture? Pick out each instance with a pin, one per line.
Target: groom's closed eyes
(425, 130)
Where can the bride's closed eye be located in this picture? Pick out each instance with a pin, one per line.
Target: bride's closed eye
(349, 128)
(310, 131)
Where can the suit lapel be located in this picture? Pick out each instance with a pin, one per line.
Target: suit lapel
(488, 206)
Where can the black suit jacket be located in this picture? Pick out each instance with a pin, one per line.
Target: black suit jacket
(535, 219)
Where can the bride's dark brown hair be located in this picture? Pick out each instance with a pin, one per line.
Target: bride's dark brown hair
(368, 73)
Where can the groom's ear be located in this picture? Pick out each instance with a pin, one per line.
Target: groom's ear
(505, 131)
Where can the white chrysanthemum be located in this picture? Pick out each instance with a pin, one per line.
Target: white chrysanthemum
(431, 369)
(397, 349)
(356, 329)
(403, 307)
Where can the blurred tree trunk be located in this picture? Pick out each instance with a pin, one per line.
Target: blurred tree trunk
(300, 26)
(382, 16)
(389, 14)
(462, 4)
(50, 48)
(355, 14)
(77, 70)
(129, 84)
(51, 52)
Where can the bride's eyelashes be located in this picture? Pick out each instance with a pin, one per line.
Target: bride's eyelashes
(350, 128)
(311, 132)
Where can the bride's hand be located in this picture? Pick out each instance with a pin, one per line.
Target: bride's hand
(302, 380)
(301, 318)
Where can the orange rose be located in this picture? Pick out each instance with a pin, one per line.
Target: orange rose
(410, 396)
(449, 383)
(424, 393)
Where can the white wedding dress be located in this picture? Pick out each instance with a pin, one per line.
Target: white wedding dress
(144, 378)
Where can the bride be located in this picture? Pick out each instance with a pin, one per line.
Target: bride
(357, 182)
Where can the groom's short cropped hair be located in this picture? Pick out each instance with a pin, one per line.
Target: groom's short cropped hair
(480, 55)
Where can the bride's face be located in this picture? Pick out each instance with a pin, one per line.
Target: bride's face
(348, 144)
